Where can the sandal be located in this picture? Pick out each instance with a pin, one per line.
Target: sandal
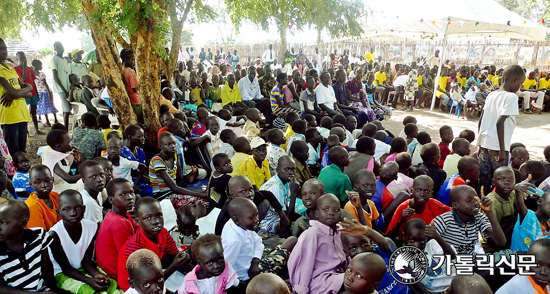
(47, 125)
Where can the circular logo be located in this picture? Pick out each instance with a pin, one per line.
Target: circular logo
(408, 265)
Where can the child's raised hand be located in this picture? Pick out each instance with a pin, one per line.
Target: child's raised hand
(525, 187)
(354, 199)
(407, 212)
(353, 228)
(485, 203)
(431, 232)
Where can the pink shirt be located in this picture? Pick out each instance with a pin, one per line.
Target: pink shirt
(403, 184)
(317, 262)
(114, 231)
(288, 93)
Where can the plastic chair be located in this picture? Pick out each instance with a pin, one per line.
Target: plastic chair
(455, 104)
(78, 110)
(104, 109)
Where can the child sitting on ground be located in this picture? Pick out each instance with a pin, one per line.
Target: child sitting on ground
(21, 180)
(403, 183)
(227, 137)
(311, 121)
(407, 120)
(87, 138)
(117, 226)
(311, 191)
(256, 167)
(242, 152)
(446, 134)
(276, 139)
(317, 263)
(461, 148)
(518, 156)
(468, 173)
(242, 246)
(430, 155)
(93, 178)
(335, 180)
(421, 206)
(60, 159)
(398, 145)
(186, 231)
(133, 151)
(411, 130)
(365, 273)
(27, 247)
(231, 122)
(324, 126)
(417, 234)
(105, 125)
(267, 283)
(536, 283)
(358, 240)
(145, 273)
(332, 141)
(43, 202)
(364, 185)
(422, 138)
(251, 128)
(300, 154)
(165, 174)
(466, 207)
(153, 236)
(213, 274)
(363, 158)
(74, 269)
(386, 203)
(299, 127)
(219, 180)
(470, 136)
(122, 167)
(469, 284)
(199, 127)
(213, 132)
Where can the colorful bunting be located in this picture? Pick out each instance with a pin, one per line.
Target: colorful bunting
(477, 23)
(433, 21)
(524, 22)
(542, 20)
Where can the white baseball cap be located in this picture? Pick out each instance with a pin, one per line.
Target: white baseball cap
(257, 142)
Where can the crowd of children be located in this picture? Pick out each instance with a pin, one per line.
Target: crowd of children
(267, 194)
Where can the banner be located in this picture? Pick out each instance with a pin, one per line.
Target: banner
(459, 53)
(506, 52)
(474, 54)
(489, 56)
(408, 54)
(394, 52)
(525, 56)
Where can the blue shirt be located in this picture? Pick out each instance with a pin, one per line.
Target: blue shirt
(313, 154)
(444, 193)
(22, 182)
(527, 232)
(282, 193)
(388, 285)
(179, 150)
(341, 93)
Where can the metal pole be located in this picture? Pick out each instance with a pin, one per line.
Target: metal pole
(543, 55)
(441, 59)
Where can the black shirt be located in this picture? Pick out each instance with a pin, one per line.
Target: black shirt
(433, 171)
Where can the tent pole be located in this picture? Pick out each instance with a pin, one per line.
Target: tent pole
(441, 59)
(543, 55)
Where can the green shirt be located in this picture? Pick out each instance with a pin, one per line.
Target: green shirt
(335, 181)
(503, 209)
(302, 223)
(215, 93)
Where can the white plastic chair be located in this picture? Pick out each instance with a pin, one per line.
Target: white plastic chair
(104, 109)
(78, 110)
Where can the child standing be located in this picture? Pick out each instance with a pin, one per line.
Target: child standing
(131, 82)
(45, 102)
(497, 124)
(72, 249)
(219, 180)
(318, 262)
(446, 134)
(21, 180)
(213, 274)
(27, 249)
(43, 202)
(117, 226)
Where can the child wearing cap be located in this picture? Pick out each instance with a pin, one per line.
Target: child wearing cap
(256, 166)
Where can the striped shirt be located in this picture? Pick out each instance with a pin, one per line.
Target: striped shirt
(463, 236)
(156, 165)
(24, 271)
(276, 95)
(165, 245)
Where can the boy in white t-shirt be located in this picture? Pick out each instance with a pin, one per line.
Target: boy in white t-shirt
(122, 167)
(497, 124)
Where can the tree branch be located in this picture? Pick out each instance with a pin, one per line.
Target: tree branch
(120, 40)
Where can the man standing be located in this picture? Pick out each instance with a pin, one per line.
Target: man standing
(61, 85)
(96, 66)
(209, 55)
(14, 115)
(434, 60)
(77, 67)
(269, 55)
(370, 56)
(27, 76)
(202, 55)
(235, 59)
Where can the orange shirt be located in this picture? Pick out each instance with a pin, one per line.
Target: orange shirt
(349, 208)
(131, 82)
(41, 215)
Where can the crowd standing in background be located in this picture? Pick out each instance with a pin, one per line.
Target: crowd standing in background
(270, 178)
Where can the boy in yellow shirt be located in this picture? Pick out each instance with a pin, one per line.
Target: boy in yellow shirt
(530, 90)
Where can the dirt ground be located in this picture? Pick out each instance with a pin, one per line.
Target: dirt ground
(532, 130)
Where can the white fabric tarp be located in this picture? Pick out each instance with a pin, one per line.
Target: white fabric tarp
(430, 17)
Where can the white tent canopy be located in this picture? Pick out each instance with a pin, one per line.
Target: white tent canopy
(467, 18)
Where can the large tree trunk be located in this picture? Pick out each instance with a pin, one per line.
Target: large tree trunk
(282, 33)
(177, 26)
(111, 67)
